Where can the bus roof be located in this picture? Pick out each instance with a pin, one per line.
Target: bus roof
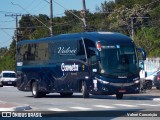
(95, 36)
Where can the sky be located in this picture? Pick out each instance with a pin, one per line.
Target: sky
(35, 7)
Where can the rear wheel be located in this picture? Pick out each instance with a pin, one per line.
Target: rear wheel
(119, 96)
(158, 88)
(85, 90)
(35, 92)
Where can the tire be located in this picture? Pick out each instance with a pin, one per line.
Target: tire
(119, 96)
(1, 85)
(42, 94)
(85, 90)
(69, 94)
(148, 85)
(158, 88)
(35, 92)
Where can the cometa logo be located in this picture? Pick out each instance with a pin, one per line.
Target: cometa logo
(73, 67)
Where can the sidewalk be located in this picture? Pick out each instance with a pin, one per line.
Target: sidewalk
(4, 106)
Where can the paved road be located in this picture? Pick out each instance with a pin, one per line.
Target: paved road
(147, 101)
(54, 102)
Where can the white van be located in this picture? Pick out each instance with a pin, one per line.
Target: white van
(8, 78)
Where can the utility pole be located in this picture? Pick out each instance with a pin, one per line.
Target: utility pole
(84, 15)
(132, 25)
(51, 18)
(132, 28)
(15, 15)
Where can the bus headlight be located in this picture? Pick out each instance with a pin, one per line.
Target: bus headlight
(136, 81)
(102, 81)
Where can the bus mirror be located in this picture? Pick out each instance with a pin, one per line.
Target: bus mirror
(143, 53)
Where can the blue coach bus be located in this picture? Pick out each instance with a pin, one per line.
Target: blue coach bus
(98, 63)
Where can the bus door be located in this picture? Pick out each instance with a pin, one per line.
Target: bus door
(92, 58)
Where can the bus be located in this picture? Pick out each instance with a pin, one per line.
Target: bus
(98, 63)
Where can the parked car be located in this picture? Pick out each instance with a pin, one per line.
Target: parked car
(8, 78)
(151, 77)
(157, 80)
(146, 84)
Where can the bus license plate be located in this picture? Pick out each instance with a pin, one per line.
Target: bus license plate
(122, 91)
(9, 83)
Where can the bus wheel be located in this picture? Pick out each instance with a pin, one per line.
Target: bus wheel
(158, 88)
(42, 94)
(35, 92)
(119, 96)
(1, 85)
(85, 90)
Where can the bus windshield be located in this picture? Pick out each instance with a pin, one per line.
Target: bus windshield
(119, 60)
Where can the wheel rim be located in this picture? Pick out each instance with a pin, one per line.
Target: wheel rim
(34, 90)
(83, 88)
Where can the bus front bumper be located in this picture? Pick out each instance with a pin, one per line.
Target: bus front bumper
(114, 88)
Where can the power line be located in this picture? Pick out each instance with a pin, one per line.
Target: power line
(82, 19)
(29, 13)
(15, 15)
(7, 21)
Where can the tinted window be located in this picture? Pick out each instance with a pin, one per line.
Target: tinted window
(66, 49)
(9, 75)
(33, 53)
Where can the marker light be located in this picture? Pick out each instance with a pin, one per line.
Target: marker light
(99, 46)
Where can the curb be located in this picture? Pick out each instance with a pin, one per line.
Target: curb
(156, 99)
(18, 108)
(4, 106)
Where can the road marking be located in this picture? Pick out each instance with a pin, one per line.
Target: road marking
(156, 99)
(104, 106)
(150, 105)
(57, 109)
(81, 108)
(125, 105)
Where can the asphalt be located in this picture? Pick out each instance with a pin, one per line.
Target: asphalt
(5, 106)
(8, 106)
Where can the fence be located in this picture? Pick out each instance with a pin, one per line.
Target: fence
(151, 65)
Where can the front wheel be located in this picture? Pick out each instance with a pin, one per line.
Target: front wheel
(1, 85)
(35, 92)
(85, 90)
(119, 96)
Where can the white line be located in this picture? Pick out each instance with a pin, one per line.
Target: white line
(81, 108)
(156, 99)
(57, 109)
(125, 105)
(103, 106)
(150, 105)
